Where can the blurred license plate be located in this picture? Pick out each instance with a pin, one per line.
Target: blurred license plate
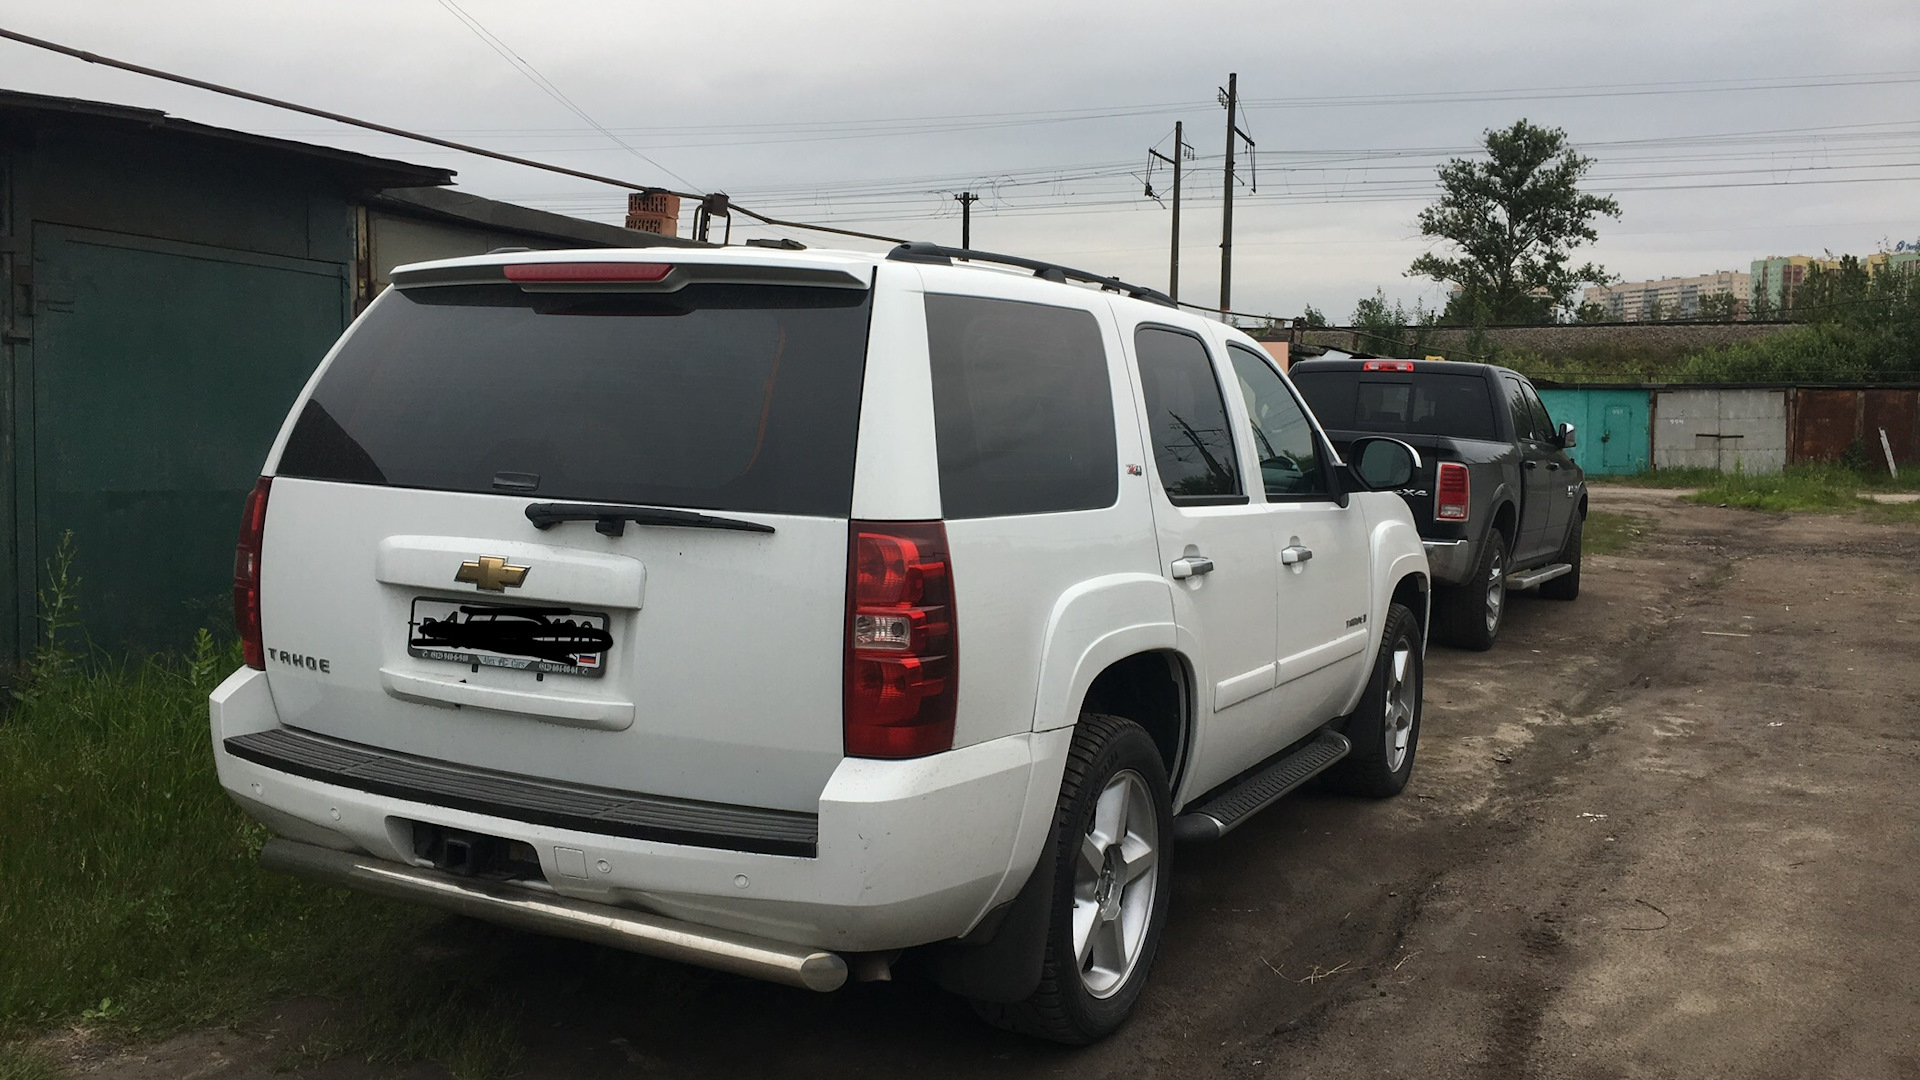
(551, 640)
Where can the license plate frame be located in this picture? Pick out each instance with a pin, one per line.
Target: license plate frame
(588, 664)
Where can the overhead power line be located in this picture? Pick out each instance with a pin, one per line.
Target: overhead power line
(520, 64)
(786, 132)
(245, 95)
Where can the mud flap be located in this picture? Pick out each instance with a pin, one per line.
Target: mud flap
(1000, 960)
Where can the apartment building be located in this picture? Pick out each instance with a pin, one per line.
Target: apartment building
(1671, 298)
(1776, 277)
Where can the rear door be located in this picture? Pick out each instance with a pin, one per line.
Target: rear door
(1216, 547)
(400, 513)
(1538, 481)
(1563, 476)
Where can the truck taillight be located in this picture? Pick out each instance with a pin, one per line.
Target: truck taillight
(1387, 365)
(246, 575)
(1451, 493)
(902, 652)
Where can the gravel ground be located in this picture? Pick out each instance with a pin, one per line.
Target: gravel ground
(1667, 830)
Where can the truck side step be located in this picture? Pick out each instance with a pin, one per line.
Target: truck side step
(1225, 808)
(1527, 579)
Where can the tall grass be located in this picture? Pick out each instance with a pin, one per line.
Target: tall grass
(1814, 488)
(131, 902)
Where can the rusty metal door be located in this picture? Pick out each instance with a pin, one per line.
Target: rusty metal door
(1897, 412)
(1825, 423)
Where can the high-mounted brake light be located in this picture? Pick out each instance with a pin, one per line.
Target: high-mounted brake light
(1451, 492)
(246, 575)
(1387, 365)
(902, 649)
(585, 273)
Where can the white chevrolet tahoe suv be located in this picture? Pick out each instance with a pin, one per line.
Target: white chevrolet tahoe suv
(796, 612)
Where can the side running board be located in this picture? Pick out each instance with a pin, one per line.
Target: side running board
(1225, 808)
(1527, 579)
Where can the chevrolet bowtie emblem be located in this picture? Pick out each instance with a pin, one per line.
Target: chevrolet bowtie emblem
(491, 574)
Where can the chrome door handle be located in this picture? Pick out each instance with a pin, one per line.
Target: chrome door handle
(1191, 566)
(1553, 466)
(1295, 554)
(1529, 464)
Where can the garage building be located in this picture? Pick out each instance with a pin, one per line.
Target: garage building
(168, 288)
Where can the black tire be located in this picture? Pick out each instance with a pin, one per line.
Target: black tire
(1064, 1008)
(1371, 768)
(1567, 586)
(1468, 616)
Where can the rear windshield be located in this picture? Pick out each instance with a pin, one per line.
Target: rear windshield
(1410, 402)
(731, 397)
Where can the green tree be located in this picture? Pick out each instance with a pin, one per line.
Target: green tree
(1856, 326)
(1392, 329)
(1591, 312)
(1719, 307)
(1313, 317)
(1513, 221)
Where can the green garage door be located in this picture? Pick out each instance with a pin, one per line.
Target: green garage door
(1612, 427)
(161, 372)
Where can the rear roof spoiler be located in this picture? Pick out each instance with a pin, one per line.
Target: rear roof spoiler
(659, 276)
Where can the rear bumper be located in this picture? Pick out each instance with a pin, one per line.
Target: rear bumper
(908, 852)
(1449, 561)
(794, 965)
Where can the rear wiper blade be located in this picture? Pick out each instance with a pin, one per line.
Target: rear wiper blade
(612, 520)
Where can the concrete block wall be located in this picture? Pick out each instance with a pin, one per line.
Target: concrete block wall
(1720, 429)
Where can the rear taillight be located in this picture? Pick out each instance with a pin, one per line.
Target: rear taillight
(1387, 365)
(1451, 492)
(902, 648)
(246, 575)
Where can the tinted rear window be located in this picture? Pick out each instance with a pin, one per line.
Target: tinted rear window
(734, 397)
(1417, 403)
(1023, 413)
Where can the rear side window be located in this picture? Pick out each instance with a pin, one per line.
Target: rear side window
(1186, 419)
(1023, 412)
(1517, 406)
(1416, 402)
(1542, 420)
(727, 397)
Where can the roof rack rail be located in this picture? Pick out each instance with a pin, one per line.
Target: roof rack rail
(921, 252)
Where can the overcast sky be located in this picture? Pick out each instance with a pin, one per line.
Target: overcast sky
(1727, 131)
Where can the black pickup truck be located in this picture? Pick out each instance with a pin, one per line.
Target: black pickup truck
(1498, 501)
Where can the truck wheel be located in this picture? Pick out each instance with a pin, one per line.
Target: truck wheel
(1567, 586)
(1469, 616)
(1112, 830)
(1385, 727)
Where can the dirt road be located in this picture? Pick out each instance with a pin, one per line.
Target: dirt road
(1666, 830)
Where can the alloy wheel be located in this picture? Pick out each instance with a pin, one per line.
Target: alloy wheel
(1114, 883)
(1403, 694)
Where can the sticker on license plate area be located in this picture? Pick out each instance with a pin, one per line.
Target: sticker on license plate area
(548, 640)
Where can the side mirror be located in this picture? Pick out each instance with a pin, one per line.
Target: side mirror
(1382, 464)
(1565, 438)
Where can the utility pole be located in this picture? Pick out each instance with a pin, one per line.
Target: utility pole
(1230, 97)
(966, 200)
(1179, 152)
